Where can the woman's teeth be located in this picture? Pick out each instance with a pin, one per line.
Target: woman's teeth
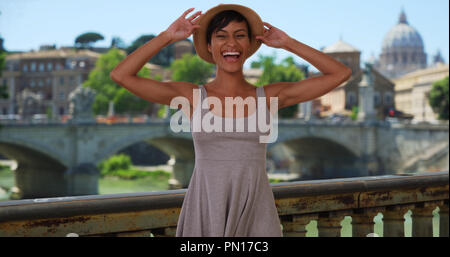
(231, 56)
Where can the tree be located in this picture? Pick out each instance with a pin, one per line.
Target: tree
(191, 68)
(3, 87)
(117, 42)
(164, 57)
(438, 98)
(107, 90)
(87, 39)
(286, 71)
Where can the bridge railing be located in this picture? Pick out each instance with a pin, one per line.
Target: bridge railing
(326, 201)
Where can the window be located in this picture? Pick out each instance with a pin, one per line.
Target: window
(49, 66)
(25, 68)
(61, 80)
(388, 98)
(67, 65)
(71, 80)
(351, 98)
(61, 110)
(82, 64)
(33, 66)
(32, 83)
(61, 95)
(49, 81)
(11, 67)
(376, 98)
(40, 83)
(41, 67)
(58, 66)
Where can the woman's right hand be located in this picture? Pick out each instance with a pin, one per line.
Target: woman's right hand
(183, 27)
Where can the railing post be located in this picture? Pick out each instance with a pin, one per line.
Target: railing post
(329, 223)
(443, 219)
(295, 225)
(422, 219)
(394, 220)
(362, 221)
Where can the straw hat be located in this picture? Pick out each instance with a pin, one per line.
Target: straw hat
(254, 21)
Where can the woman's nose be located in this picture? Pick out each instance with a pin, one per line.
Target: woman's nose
(231, 41)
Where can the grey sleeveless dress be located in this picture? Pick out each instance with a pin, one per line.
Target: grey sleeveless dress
(229, 194)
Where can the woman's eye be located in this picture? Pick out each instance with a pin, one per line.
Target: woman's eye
(220, 36)
(241, 35)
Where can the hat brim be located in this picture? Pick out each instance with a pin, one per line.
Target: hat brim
(254, 21)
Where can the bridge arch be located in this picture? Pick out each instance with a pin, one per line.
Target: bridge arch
(319, 158)
(38, 174)
(23, 150)
(175, 144)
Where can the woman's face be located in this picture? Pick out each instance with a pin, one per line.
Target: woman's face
(230, 45)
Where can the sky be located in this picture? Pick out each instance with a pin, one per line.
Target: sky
(27, 24)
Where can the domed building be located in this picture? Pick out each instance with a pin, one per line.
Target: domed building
(402, 50)
(343, 98)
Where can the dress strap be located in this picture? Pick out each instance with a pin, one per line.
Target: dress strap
(260, 91)
(202, 98)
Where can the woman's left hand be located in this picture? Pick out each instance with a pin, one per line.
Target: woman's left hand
(273, 36)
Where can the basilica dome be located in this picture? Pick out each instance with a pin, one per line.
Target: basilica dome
(402, 50)
(402, 35)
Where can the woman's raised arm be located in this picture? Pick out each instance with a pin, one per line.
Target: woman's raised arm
(290, 93)
(125, 73)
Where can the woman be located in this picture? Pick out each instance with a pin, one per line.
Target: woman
(229, 193)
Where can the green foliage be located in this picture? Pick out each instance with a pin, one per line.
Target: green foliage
(354, 114)
(114, 163)
(191, 68)
(136, 174)
(127, 102)
(117, 42)
(3, 87)
(162, 111)
(49, 112)
(438, 98)
(286, 71)
(87, 39)
(120, 166)
(107, 90)
(275, 180)
(164, 57)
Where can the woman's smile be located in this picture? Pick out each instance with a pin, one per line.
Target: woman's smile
(231, 56)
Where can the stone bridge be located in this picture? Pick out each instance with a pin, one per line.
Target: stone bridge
(60, 159)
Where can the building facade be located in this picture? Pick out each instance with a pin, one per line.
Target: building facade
(343, 98)
(40, 81)
(412, 91)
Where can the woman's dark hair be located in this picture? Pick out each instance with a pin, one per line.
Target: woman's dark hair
(222, 19)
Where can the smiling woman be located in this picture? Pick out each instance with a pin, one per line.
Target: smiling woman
(229, 192)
